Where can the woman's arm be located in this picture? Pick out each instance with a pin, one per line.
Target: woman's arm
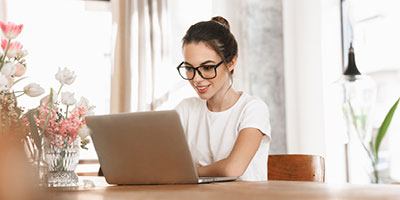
(236, 163)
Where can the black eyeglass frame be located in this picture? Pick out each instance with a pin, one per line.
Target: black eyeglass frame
(196, 69)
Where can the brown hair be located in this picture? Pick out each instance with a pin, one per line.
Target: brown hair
(216, 34)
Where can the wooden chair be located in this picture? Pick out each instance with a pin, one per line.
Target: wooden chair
(294, 167)
(92, 172)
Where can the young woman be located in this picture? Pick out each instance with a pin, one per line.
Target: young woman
(228, 131)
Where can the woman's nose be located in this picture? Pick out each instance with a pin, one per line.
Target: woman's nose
(197, 77)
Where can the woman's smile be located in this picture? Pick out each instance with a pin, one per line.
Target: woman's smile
(202, 88)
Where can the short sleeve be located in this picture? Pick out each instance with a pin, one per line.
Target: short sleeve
(256, 115)
(182, 111)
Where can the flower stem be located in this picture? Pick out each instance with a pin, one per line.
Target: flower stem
(66, 112)
(50, 109)
(5, 54)
(59, 90)
(19, 95)
(376, 172)
(15, 82)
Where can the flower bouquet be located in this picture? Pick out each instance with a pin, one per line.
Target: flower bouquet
(63, 131)
(12, 68)
(50, 134)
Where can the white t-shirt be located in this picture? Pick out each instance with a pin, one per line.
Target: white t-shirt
(212, 135)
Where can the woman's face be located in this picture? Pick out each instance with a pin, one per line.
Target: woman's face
(199, 54)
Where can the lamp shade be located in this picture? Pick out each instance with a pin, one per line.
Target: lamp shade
(351, 69)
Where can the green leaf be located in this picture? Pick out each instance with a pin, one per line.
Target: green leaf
(34, 128)
(384, 126)
(50, 109)
(354, 119)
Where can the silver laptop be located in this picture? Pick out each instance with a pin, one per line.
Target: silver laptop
(144, 148)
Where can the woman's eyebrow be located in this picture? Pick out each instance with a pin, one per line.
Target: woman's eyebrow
(187, 63)
(203, 63)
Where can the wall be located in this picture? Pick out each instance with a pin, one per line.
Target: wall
(264, 54)
(313, 64)
(257, 26)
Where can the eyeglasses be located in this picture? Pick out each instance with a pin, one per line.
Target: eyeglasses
(205, 71)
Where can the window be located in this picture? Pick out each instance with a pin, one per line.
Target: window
(64, 33)
(375, 33)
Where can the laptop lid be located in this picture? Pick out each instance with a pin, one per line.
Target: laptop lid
(142, 148)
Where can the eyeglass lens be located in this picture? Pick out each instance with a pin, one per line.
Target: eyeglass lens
(206, 71)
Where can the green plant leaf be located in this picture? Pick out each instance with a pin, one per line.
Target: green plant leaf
(354, 118)
(34, 128)
(384, 126)
(50, 109)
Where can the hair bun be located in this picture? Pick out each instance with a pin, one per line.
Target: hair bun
(222, 21)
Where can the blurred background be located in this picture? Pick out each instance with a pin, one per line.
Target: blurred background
(291, 54)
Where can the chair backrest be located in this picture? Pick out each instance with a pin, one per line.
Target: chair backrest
(295, 167)
(88, 168)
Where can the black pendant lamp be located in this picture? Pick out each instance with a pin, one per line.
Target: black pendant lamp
(351, 70)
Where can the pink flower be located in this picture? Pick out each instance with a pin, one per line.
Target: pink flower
(20, 70)
(13, 49)
(41, 118)
(11, 30)
(4, 44)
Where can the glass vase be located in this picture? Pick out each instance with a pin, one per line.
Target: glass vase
(360, 95)
(37, 159)
(62, 157)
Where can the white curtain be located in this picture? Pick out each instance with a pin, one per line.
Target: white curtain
(3, 10)
(140, 52)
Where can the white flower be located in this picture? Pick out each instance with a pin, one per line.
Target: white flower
(90, 111)
(67, 98)
(8, 69)
(84, 103)
(11, 53)
(22, 53)
(33, 90)
(65, 76)
(83, 132)
(3, 82)
(46, 100)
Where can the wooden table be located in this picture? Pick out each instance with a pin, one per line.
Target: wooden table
(282, 190)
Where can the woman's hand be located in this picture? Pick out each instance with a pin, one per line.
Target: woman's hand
(236, 163)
